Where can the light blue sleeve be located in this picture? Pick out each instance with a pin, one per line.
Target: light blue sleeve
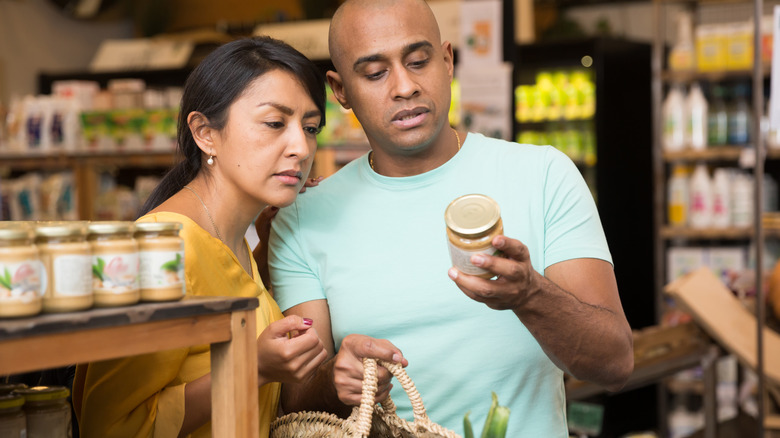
(293, 279)
(572, 224)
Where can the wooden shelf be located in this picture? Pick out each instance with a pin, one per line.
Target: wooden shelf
(713, 76)
(86, 167)
(228, 324)
(730, 233)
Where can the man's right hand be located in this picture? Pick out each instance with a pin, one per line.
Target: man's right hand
(348, 367)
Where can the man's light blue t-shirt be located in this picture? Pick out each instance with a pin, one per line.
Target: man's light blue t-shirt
(376, 248)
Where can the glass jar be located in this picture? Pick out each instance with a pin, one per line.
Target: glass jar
(48, 411)
(114, 263)
(472, 223)
(66, 255)
(22, 279)
(7, 388)
(13, 422)
(161, 257)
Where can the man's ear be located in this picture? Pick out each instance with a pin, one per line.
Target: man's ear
(446, 47)
(334, 80)
(201, 132)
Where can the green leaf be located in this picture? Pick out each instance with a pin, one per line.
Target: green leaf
(489, 419)
(172, 265)
(499, 423)
(97, 272)
(5, 280)
(468, 431)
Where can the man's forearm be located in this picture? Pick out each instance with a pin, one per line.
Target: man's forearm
(590, 342)
(316, 394)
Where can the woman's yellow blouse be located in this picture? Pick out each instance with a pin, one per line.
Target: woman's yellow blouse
(143, 396)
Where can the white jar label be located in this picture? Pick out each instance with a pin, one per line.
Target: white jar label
(22, 281)
(72, 275)
(115, 273)
(461, 259)
(161, 269)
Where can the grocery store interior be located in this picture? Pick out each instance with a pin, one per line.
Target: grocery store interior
(665, 106)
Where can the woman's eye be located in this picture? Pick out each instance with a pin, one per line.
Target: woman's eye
(312, 130)
(275, 125)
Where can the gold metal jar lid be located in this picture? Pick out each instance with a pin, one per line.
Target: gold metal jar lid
(157, 226)
(471, 215)
(16, 230)
(60, 229)
(9, 401)
(43, 393)
(110, 227)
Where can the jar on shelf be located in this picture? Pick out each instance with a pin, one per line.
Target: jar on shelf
(13, 422)
(7, 388)
(472, 223)
(21, 277)
(48, 411)
(67, 259)
(114, 263)
(161, 257)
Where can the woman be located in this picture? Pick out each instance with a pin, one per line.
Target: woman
(249, 117)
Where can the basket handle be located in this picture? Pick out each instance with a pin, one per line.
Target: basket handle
(362, 415)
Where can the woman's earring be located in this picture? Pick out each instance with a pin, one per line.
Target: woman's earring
(210, 160)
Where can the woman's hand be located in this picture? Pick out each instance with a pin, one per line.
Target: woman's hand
(263, 229)
(348, 367)
(288, 350)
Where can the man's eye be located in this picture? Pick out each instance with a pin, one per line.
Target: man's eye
(375, 76)
(420, 63)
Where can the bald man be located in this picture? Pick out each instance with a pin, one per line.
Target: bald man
(365, 254)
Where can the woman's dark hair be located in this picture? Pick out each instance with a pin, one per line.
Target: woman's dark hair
(216, 83)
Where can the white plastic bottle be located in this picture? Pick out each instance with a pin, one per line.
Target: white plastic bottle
(696, 108)
(741, 199)
(721, 198)
(677, 204)
(701, 197)
(675, 122)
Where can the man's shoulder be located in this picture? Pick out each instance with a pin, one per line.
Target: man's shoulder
(490, 145)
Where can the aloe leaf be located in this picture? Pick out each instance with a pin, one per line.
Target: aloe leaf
(489, 419)
(499, 423)
(468, 431)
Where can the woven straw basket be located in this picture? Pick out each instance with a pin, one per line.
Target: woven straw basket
(368, 419)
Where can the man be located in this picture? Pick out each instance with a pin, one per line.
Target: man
(365, 254)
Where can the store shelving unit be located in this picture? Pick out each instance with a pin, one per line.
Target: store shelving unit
(86, 168)
(753, 156)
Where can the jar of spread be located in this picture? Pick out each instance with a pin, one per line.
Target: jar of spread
(7, 388)
(114, 263)
(13, 422)
(48, 411)
(67, 258)
(472, 223)
(161, 257)
(22, 279)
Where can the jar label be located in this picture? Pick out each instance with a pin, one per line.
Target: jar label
(461, 259)
(22, 281)
(72, 275)
(115, 273)
(161, 269)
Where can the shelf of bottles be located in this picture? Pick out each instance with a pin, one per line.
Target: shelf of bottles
(558, 109)
(706, 139)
